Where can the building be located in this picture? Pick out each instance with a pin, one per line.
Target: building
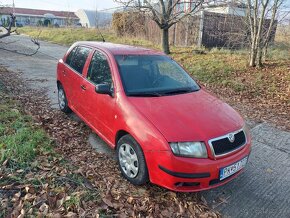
(35, 17)
(236, 9)
(229, 8)
(92, 19)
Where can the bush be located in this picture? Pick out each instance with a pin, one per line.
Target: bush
(128, 23)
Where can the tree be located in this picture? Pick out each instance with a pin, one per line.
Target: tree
(8, 27)
(257, 13)
(165, 13)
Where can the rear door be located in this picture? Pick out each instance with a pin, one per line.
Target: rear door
(100, 107)
(75, 81)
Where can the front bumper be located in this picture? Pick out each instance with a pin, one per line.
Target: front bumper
(190, 174)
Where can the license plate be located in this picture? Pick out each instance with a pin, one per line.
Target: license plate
(232, 169)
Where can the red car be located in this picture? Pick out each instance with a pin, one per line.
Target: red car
(165, 127)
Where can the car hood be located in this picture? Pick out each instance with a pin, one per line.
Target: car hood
(189, 117)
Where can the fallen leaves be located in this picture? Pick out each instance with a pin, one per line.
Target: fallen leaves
(264, 95)
(77, 181)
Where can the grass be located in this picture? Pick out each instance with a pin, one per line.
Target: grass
(19, 140)
(67, 36)
(28, 159)
(224, 72)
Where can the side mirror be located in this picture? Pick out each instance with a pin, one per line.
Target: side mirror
(104, 89)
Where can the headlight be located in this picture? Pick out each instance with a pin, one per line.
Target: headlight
(189, 149)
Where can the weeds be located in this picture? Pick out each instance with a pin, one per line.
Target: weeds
(19, 140)
(34, 179)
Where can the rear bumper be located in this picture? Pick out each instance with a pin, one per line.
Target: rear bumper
(189, 174)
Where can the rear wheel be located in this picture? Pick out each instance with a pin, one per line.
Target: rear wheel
(62, 100)
(132, 161)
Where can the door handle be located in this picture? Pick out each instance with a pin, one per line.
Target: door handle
(83, 87)
(64, 72)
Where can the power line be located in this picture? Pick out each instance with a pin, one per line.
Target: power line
(108, 9)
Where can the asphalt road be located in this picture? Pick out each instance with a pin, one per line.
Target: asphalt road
(263, 190)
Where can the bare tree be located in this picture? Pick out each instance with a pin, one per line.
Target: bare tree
(257, 13)
(165, 13)
(9, 29)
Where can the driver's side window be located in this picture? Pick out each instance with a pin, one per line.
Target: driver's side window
(99, 70)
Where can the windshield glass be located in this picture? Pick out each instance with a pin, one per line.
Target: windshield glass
(153, 75)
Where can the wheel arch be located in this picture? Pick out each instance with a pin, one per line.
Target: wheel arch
(58, 83)
(119, 135)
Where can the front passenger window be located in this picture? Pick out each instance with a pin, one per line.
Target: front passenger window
(99, 70)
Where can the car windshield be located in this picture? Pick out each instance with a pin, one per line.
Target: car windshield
(153, 75)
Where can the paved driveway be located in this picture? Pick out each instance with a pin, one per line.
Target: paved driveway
(38, 70)
(263, 190)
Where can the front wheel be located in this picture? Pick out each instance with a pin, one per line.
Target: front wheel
(62, 100)
(132, 161)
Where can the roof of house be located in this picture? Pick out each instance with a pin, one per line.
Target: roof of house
(119, 49)
(37, 12)
(228, 4)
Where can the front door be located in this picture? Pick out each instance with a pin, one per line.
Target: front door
(100, 107)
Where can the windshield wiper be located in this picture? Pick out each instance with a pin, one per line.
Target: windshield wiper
(179, 91)
(145, 94)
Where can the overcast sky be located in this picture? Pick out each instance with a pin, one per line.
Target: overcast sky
(66, 5)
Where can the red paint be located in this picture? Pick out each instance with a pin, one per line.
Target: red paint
(154, 121)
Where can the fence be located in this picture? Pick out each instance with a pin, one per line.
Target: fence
(205, 29)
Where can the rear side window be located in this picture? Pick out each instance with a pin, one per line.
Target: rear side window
(78, 59)
(70, 56)
(99, 71)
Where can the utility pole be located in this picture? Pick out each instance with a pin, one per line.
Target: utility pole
(13, 7)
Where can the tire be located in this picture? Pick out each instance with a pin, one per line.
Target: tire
(62, 100)
(131, 161)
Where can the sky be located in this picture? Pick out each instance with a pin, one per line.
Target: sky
(71, 5)
(62, 5)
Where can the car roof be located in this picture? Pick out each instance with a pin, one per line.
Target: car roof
(119, 49)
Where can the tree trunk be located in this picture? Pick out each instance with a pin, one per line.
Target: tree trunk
(186, 31)
(265, 54)
(165, 41)
(260, 57)
(174, 34)
(253, 57)
(253, 53)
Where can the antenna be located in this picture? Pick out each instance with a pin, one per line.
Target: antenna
(101, 34)
(97, 25)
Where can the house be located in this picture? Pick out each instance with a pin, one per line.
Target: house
(35, 17)
(230, 8)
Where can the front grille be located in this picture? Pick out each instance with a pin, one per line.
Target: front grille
(223, 145)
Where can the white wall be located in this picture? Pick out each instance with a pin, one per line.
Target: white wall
(227, 10)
